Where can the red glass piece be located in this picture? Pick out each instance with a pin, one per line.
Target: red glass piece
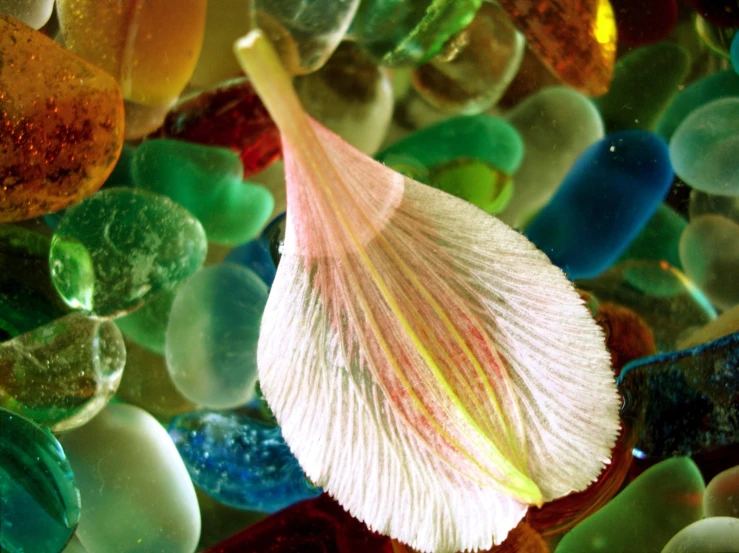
(722, 13)
(318, 525)
(640, 23)
(628, 336)
(231, 116)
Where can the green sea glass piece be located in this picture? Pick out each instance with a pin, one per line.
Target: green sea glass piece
(712, 204)
(207, 181)
(718, 85)
(705, 148)
(629, 104)
(722, 495)
(39, 499)
(718, 39)
(121, 247)
(409, 32)
(659, 239)
(62, 374)
(27, 297)
(711, 535)
(644, 516)
(476, 182)
(148, 324)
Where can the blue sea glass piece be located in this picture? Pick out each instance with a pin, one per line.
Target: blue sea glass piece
(684, 402)
(274, 235)
(255, 255)
(240, 461)
(735, 52)
(608, 196)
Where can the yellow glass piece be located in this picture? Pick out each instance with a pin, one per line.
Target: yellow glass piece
(150, 46)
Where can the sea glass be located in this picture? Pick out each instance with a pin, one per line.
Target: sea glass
(628, 336)
(607, 197)
(40, 502)
(684, 402)
(475, 67)
(274, 236)
(712, 204)
(659, 239)
(207, 181)
(61, 121)
(712, 535)
(705, 147)
(27, 297)
(723, 84)
(147, 325)
(734, 52)
(726, 323)
(34, 13)
(631, 105)
(724, 13)
(255, 255)
(121, 247)
(645, 515)
(576, 39)
(136, 492)
(722, 495)
(318, 525)
(240, 461)
(532, 77)
(557, 125)
(351, 96)
(305, 33)
(488, 188)
(142, 120)
(230, 115)
(63, 373)
(522, 539)
(150, 47)
(640, 23)
(717, 38)
(709, 250)
(212, 335)
(409, 32)
(660, 294)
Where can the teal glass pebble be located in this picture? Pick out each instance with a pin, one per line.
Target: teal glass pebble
(148, 324)
(723, 84)
(705, 148)
(735, 52)
(121, 247)
(208, 182)
(39, 499)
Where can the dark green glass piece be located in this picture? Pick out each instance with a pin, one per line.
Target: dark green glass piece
(659, 239)
(148, 324)
(39, 499)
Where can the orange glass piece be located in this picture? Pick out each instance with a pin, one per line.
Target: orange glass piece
(150, 46)
(628, 336)
(576, 39)
(61, 124)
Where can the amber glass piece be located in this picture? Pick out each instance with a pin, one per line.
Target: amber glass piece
(628, 336)
(575, 38)
(151, 46)
(61, 124)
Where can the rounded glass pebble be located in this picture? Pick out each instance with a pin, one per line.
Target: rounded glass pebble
(255, 255)
(147, 325)
(121, 247)
(136, 493)
(711, 535)
(722, 494)
(711, 204)
(734, 51)
(705, 148)
(62, 374)
(40, 502)
(212, 336)
(34, 13)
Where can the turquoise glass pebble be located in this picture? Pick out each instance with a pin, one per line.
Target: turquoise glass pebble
(735, 52)
(255, 255)
(147, 325)
(39, 499)
(119, 248)
(240, 461)
(608, 196)
(208, 182)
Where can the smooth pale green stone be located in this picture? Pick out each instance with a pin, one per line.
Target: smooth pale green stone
(34, 13)
(660, 238)
(147, 325)
(722, 494)
(212, 335)
(644, 516)
(409, 32)
(711, 535)
(136, 493)
(119, 248)
(207, 181)
(480, 137)
(719, 85)
(709, 250)
(630, 103)
(62, 374)
(711, 204)
(27, 297)
(557, 124)
(705, 148)
(475, 182)
(39, 499)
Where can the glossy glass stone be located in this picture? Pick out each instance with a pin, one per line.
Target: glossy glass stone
(628, 336)
(240, 461)
(148, 245)
(712, 535)
(212, 335)
(655, 506)
(255, 255)
(34, 13)
(40, 502)
(608, 196)
(63, 373)
(734, 52)
(684, 402)
(722, 494)
(274, 236)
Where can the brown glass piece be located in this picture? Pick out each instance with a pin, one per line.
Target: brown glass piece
(628, 336)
